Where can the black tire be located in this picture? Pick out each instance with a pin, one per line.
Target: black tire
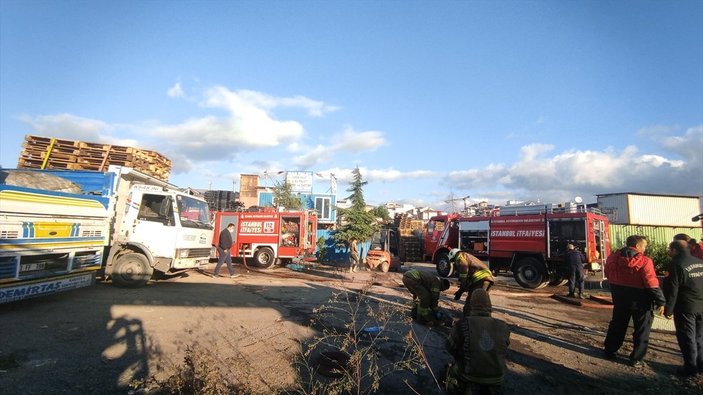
(131, 270)
(530, 273)
(264, 258)
(444, 267)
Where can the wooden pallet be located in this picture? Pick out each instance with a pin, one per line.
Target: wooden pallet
(51, 153)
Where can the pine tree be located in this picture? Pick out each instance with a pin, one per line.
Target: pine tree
(357, 223)
(283, 196)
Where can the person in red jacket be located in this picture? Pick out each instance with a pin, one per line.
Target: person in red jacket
(635, 289)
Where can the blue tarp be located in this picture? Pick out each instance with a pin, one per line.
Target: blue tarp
(338, 253)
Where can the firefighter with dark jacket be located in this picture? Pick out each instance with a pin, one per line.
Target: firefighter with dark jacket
(683, 288)
(473, 275)
(479, 344)
(635, 290)
(425, 288)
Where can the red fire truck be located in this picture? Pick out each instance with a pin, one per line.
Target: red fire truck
(530, 241)
(269, 237)
(435, 228)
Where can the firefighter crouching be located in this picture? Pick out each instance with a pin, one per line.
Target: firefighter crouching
(473, 275)
(479, 344)
(425, 288)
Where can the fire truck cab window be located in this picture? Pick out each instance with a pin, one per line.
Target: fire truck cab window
(156, 208)
(290, 232)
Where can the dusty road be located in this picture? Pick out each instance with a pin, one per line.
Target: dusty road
(101, 338)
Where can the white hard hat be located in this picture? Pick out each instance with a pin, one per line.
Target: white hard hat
(452, 253)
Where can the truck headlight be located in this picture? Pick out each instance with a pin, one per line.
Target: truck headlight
(184, 253)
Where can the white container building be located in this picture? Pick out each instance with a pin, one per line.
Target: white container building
(633, 208)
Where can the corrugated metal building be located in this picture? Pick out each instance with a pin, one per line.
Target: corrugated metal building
(629, 208)
(655, 234)
(658, 217)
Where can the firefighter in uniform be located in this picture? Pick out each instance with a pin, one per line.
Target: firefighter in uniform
(425, 288)
(473, 275)
(478, 343)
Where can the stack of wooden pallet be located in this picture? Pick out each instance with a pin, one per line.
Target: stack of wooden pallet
(407, 225)
(410, 249)
(52, 153)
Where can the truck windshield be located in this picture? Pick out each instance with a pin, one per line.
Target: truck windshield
(378, 240)
(193, 213)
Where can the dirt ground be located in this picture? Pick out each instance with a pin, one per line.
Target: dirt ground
(101, 338)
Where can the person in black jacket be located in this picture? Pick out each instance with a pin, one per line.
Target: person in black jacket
(574, 260)
(223, 254)
(683, 288)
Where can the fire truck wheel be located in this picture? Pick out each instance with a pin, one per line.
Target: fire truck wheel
(444, 267)
(264, 258)
(131, 270)
(529, 273)
(385, 266)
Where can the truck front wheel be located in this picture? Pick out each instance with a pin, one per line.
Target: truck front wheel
(264, 258)
(529, 273)
(131, 270)
(444, 267)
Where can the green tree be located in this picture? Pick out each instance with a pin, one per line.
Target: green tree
(381, 212)
(357, 223)
(283, 196)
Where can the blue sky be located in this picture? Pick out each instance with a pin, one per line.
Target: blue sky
(499, 100)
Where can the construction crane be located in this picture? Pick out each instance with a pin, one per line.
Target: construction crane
(452, 199)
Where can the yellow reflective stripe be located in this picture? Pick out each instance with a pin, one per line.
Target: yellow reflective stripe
(413, 273)
(480, 275)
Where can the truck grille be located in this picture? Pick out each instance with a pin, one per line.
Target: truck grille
(87, 258)
(8, 266)
(199, 253)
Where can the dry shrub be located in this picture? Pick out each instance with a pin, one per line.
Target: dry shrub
(371, 339)
(200, 373)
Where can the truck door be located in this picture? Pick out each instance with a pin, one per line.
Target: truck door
(155, 222)
(311, 234)
(223, 220)
(289, 239)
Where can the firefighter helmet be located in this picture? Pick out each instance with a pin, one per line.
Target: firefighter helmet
(452, 254)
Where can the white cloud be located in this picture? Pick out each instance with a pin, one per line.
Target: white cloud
(314, 108)
(314, 156)
(354, 141)
(390, 175)
(246, 125)
(72, 127)
(175, 90)
(688, 146)
(657, 130)
(539, 175)
(348, 141)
